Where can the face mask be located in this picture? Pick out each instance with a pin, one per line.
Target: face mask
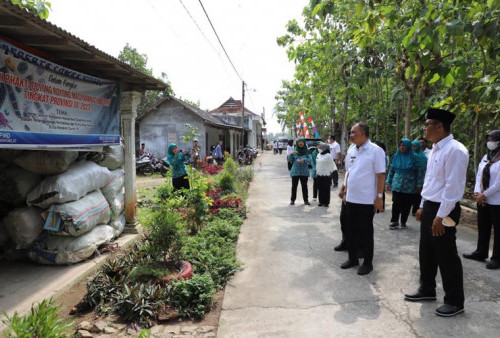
(492, 145)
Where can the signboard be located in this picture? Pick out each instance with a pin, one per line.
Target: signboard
(45, 105)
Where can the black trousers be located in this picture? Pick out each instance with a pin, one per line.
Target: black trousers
(315, 187)
(335, 177)
(440, 251)
(303, 184)
(416, 203)
(180, 182)
(343, 222)
(360, 231)
(324, 189)
(280, 150)
(488, 216)
(401, 206)
(290, 166)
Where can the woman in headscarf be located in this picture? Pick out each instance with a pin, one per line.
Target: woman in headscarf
(402, 180)
(487, 193)
(289, 150)
(300, 159)
(175, 160)
(324, 168)
(422, 167)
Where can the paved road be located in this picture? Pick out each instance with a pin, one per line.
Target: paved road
(291, 284)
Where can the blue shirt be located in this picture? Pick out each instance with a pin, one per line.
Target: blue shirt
(298, 168)
(177, 166)
(218, 152)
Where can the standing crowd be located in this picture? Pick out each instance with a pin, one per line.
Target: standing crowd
(429, 183)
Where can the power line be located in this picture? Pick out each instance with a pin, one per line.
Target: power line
(163, 19)
(220, 42)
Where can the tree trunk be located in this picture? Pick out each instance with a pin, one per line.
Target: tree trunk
(409, 106)
(344, 134)
(476, 142)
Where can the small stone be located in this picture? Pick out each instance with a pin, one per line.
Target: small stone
(110, 330)
(188, 329)
(131, 331)
(205, 329)
(172, 330)
(85, 325)
(98, 327)
(83, 334)
(119, 326)
(104, 336)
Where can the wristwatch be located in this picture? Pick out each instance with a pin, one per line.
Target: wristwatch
(380, 195)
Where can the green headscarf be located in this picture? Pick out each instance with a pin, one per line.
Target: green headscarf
(170, 153)
(301, 151)
(422, 159)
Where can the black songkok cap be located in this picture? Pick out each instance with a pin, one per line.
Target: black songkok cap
(440, 115)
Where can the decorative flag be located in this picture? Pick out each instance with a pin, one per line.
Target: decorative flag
(305, 132)
(298, 128)
(316, 134)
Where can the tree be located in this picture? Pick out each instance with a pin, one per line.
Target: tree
(139, 61)
(38, 7)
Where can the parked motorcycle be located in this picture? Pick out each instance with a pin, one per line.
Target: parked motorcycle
(245, 156)
(143, 165)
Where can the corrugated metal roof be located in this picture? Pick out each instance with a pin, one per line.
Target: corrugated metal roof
(67, 50)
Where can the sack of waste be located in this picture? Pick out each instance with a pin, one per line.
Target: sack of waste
(24, 225)
(80, 179)
(52, 249)
(78, 217)
(46, 162)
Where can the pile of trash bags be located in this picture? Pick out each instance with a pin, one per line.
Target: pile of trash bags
(58, 207)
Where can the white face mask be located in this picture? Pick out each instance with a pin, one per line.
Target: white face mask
(492, 145)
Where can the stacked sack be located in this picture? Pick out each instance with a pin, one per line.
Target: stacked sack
(68, 208)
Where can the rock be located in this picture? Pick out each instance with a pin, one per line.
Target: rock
(131, 331)
(205, 329)
(83, 334)
(98, 327)
(172, 330)
(209, 335)
(119, 326)
(110, 330)
(85, 325)
(188, 329)
(104, 336)
(157, 329)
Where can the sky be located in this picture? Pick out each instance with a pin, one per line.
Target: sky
(188, 52)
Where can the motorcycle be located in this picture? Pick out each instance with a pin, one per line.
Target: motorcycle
(143, 165)
(245, 156)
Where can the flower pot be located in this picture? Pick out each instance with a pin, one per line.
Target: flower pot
(186, 272)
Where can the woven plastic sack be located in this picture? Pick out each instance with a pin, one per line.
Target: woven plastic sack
(80, 179)
(118, 225)
(46, 162)
(114, 157)
(66, 250)
(114, 186)
(15, 184)
(79, 217)
(24, 225)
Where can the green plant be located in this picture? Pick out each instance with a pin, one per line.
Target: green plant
(42, 321)
(166, 232)
(147, 273)
(231, 215)
(221, 228)
(245, 174)
(197, 204)
(230, 166)
(193, 297)
(226, 182)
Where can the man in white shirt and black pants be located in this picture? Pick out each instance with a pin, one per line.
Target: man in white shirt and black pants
(364, 188)
(439, 212)
(335, 153)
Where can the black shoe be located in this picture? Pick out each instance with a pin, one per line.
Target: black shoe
(307, 203)
(394, 226)
(447, 310)
(335, 185)
(341, 247)
(403, 226)
(326, 205)
(320, 205)
(292, 202)
(474, 256)
(419, 296)
(493, 265)
(365, 269)
(349, 264)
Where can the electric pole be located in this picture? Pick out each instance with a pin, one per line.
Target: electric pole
(242, 113)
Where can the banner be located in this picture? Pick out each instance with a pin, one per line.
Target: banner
(44, 105)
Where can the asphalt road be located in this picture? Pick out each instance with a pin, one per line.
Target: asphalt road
(291, 284)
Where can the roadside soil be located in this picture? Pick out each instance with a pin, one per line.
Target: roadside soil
(68, 299)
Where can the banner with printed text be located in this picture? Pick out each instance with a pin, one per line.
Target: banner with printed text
(45, 105)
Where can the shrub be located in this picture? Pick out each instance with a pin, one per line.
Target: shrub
(226, 182)
(193, 297)
(245, 174)
(212, 169)
(230, 166)
(232, 215)
(229, 202)
(214, 255)
(221, 228)
(42, 321)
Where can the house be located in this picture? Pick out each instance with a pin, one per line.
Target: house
(231, 113)
(165, 123)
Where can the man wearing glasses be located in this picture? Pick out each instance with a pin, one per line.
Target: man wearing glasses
(439, 212)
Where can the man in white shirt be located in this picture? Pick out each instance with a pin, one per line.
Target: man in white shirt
(423, 144)
(335, 153)
(364, 187)
(439, 213)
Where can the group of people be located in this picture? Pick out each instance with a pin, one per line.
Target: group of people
(431, 182)
(323, 160)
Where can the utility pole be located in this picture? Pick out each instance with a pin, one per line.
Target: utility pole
(242, 113)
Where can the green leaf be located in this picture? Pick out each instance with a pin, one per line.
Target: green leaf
(449, 80)
(435, 78)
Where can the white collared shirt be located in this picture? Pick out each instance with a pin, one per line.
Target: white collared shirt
(493, 192)
(446, 174)
(334, 149)
(365, 163)
(426, 152)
